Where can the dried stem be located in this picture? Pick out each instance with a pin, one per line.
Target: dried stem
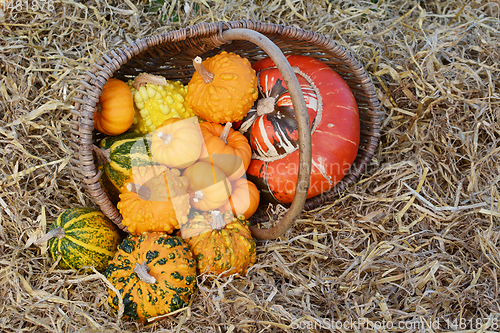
(142, 191)
(198, 195)
(143, 79)
(200, 69)
(225, 132)
(56, 232)
(142, 271)
(217, 221)
(102, 155)
(265, 105)
(166, 138)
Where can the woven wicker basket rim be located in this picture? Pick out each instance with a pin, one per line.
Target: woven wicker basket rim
(210, 34)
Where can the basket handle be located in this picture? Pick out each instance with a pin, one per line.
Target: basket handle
(304, 132)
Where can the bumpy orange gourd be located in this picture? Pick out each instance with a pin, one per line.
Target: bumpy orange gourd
(177, 143)
(223, 88)
(244, 199)
(154, 199)
(221, 243)
(228, 149)
(115, 110)
(208, 186)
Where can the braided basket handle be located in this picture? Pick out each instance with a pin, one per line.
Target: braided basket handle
(304, 132)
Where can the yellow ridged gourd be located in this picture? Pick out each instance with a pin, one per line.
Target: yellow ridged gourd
(156, 100)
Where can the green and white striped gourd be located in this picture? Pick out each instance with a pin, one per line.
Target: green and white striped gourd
(118, 154)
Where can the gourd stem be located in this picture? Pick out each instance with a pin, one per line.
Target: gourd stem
(142, 191)
(217, 221)
(166, 138)
(56, 232)
(102, 155)
(198, 195)
(265, 105)
(225, 132)
(202, 71)
(144, 79)
(142, 271)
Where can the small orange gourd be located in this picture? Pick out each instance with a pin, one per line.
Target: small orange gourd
(228, 149)
(115, 110)
(244, 199)
(177, 143)
(208, 186)
(154, 199)
(223, 88)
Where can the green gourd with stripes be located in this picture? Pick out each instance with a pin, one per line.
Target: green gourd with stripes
(118, 154)
(83, 237)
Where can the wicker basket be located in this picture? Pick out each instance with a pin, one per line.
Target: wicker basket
(171, 55)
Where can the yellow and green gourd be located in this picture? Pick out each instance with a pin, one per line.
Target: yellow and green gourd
(82, 237)
(116, 157)
(155, 274)
(110, 189)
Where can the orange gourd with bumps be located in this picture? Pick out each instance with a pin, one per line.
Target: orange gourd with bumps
(223, 88)
(221, 243)
(154, 199)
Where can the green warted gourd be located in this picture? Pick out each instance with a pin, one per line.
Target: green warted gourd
(155, 274)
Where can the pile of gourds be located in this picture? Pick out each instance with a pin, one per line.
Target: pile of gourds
(177, 176)
(176, 170)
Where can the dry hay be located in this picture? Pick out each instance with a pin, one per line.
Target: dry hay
(414, 246)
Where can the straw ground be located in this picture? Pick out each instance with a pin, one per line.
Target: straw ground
(414, 246)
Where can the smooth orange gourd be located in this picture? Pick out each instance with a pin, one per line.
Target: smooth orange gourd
(244, 199)
(228, 149)
(115, 110)
(208, 186)
(177, 143)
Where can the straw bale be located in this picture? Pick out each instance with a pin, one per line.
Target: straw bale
(414, 246)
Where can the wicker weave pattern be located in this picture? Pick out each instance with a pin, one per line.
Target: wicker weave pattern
(171, 55)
